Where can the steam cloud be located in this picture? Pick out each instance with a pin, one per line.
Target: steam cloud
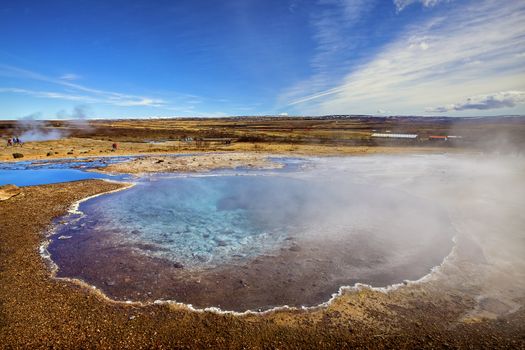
(376, 219)
(33, 128)
(78, 118)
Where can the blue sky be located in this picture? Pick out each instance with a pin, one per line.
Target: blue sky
(117, 59)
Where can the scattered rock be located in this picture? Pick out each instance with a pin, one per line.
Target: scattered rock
(201, 257)
(203, 162)
(8, 191)
(178, 265)
(70, 152)
(18, 155)
(49, 154)
(221, 243)
(494, 305)
(295, 248)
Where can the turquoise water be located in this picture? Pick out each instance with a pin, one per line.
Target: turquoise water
(31, 177)
(246, 239)
(206, 221)
(42, 172)
(198, 221)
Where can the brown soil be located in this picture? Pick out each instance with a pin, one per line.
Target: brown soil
(38, 311)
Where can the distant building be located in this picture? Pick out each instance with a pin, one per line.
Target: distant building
(395, 136)
(443, 138)
(437, 138)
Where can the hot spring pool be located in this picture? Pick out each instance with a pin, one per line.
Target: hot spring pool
(43, 172)
(253, 240)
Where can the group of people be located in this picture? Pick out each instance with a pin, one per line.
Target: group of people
(14, 141)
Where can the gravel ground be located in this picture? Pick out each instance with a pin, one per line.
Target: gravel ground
(193, 163)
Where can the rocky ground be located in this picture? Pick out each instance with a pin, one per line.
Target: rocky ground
(8, 191)
(39, 311)
(76, 147)
(192, 163)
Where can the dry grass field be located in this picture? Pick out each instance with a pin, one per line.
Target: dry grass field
(277, 135)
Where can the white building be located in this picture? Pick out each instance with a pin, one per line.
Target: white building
(395, 136)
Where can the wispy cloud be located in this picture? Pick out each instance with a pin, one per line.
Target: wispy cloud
(88, 94)
(48, 94)
(70, 76)
(507, 99)
(332, 25)
(432, 64)
(401, 4)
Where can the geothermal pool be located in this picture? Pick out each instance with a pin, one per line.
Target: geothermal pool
(254, 240)
(42, 172)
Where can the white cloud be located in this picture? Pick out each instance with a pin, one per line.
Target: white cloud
(507, 99)
(88, 94)
(432, 64)
(70, 76)
(121, 100)
(332, 23)
(140, 101)
(401, 4)
(48, 94)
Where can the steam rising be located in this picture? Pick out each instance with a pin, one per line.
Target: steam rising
(33, 128)
(375, 219)
(79, 112)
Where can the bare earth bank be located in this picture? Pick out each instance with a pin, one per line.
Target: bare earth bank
(192, 163)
